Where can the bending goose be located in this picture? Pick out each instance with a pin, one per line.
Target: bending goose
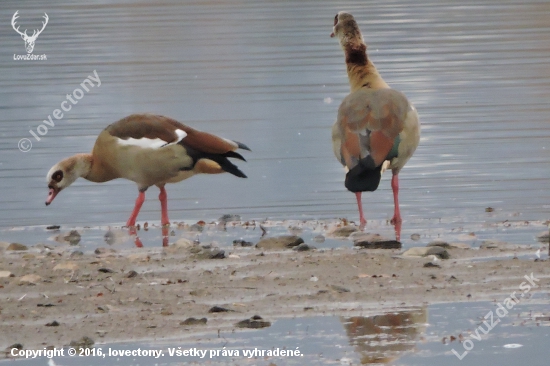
(375, 124)
(148, 150)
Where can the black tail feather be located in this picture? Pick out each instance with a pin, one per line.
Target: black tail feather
(242, 146)
(233, 154)
(229, 167)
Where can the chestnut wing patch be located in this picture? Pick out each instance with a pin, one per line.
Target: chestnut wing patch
(371, 121)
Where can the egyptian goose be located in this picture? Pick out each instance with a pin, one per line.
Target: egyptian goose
(376, 126)
(149, 150)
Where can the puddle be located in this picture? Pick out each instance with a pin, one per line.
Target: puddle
(422, 336)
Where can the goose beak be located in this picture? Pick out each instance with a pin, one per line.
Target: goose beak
(51, 195)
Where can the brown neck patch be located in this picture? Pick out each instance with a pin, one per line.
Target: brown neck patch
(357, 55)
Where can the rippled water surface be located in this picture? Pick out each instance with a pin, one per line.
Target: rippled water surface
(266, 73)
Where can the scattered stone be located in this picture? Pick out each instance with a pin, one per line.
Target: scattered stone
(339, 289)
(131, 274)
(84, 342)
(101, 333)
(106, 270)
(439, 243)
(344, 231)
(194, 321)
(30, 279)
(183, 243)
(425, 251)
(307, 308)
(103, 251)
(138, 257)
(452, 278)
(375, 241)
(199, 292)
(459, 246)
(415, 237)
(17, 346)
(280, 242)
(544, 237)
(55, 323)
(303, 247)
(210, 254)
(295, 230)
(492, 244)
(166, 312)
(319, 238)
(242, 243)
(431, 265)
(73, 237)
(229, 218)
(71, 266)
(198, 227)
(45, 305)
(53, 227)
(256, 322)
(5, 274)
(17, 247)
(76, 253)
(115, 236)
(218, 309)
(489, 209)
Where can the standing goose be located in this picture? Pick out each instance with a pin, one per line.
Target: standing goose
(375, 123)
(149, 150)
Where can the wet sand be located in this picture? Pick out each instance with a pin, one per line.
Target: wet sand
(145, 294)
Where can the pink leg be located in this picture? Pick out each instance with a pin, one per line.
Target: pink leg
(396, 220)
(163, 197)
(165, 235)
(362, 220)
(139, 202)
(137, 241)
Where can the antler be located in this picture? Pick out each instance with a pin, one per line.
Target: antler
(43, 26)
(15, 16)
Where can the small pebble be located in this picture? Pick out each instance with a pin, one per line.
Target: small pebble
(255, 322)
(218, 309)
(17, 247)
(194, 321)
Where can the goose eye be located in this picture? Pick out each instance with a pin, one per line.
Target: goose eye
(336, 19)
(58, 176)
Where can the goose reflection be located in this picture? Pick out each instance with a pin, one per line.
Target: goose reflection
(381, 339)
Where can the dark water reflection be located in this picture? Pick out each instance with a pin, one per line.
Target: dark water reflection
(267, 73)
(383, 338)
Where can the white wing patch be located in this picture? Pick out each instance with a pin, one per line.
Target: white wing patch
(152, 143)
(181, 135)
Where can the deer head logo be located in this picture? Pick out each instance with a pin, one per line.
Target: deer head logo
(29, 41)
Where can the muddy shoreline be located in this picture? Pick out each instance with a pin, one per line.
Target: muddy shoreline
(50, 297)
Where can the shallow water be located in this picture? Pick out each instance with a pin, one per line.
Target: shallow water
(268, 74)
(405, 337)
